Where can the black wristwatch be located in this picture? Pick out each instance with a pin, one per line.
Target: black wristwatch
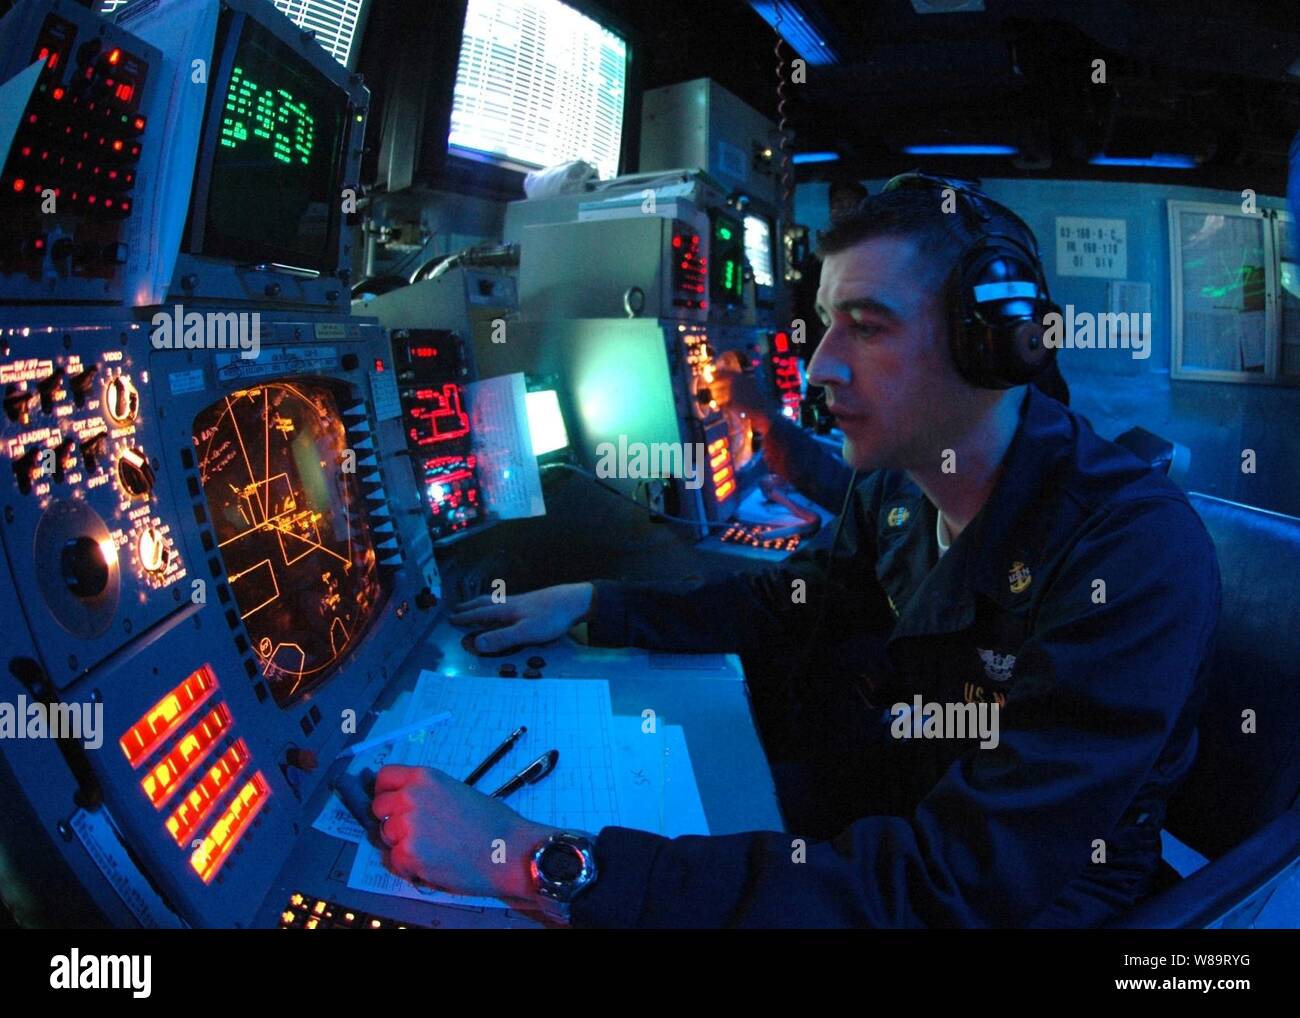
(562, 867)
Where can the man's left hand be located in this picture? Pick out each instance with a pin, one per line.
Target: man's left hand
(446, 834)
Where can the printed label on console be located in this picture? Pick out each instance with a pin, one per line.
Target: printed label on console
(278, 360)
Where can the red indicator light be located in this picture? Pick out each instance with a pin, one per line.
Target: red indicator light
(112, 174)
(782, 342)
(20, 184)
(124, 92)
(27, 151)
(114, 56)
(58, 94)
(379, 365)
(677, 241)
(108, 203)
(196, 806)
(32, 118)
(139, 123)
(44, 53)
(216, 847)
(125, 206)
(39, 244)
(167, 715)
(163, 779)
(90, 73)
(117, 145)
(90, 198)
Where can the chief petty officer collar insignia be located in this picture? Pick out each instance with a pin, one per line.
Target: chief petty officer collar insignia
(1019, 577)
(898, 515)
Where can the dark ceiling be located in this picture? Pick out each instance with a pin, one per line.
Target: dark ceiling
(1218, 81)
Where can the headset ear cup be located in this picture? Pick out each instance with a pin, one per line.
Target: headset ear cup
(1029, 353)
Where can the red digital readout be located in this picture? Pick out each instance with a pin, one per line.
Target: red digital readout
(167, 715)
(437, 415)
(230, 827)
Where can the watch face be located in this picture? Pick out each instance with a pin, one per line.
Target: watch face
(561, 863)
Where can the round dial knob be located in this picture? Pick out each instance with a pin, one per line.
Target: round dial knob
(85, 567)
(121, 400)
(135, 474)
(151, 549)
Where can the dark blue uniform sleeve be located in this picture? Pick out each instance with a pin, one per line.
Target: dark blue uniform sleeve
(750, 611)
(1098, 690)
(811, 466)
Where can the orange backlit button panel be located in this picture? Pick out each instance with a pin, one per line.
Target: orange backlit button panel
(196, 806)
(171, 772)
(167, 715)
(232, 825)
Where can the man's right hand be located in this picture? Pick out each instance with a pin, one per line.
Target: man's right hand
(741, 390)
(536, 617)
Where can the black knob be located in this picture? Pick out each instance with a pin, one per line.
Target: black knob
(18, 403)
(121, 400)
(426, 599)
(92, 451)
(61, 454)
(82, 383)
(303, 759)
(25, 470)
(47, 387)
(135, 473)
(272, 289)
(85, 569)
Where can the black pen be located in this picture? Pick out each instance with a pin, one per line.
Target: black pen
(530, 775)
(495, 755)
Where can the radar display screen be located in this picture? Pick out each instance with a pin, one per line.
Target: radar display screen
(292, 527)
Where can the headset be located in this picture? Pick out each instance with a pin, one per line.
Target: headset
(998, 330)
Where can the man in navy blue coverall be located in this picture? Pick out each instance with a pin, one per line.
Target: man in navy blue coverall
(995, 553)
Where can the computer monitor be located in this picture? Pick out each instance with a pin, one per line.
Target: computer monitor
(546, 422)
(337, 23)
(274, 151)
(538, 83)
(758, 251)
